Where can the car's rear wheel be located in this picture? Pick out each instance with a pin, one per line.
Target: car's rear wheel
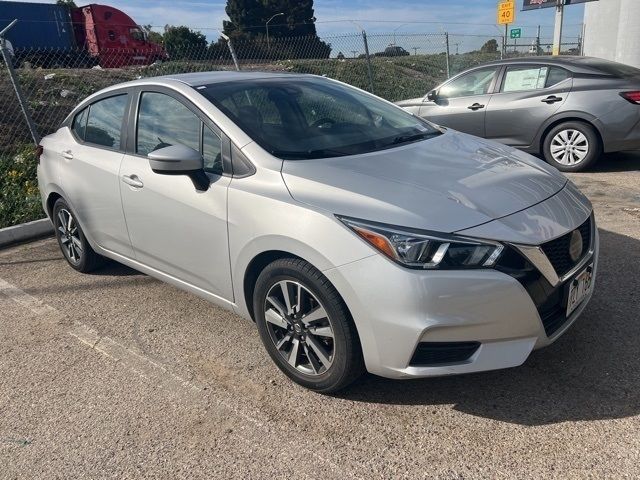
(572, 146)
(305, 326)
(71, 239)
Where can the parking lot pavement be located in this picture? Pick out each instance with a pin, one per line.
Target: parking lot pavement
(118, 375)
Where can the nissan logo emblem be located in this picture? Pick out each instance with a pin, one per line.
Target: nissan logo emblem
(575, 245)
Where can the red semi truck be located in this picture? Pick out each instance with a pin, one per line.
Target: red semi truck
(93, 34)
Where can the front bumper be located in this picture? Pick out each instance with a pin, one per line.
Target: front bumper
(395, 309)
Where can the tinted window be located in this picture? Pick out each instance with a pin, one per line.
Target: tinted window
(164, 121)
(611, 68)
(105, 121)
(211, 151)
(557, 75)
(80, 123)
(301, 118)
(476, 82)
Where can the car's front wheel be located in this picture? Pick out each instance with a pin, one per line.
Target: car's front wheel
(305, 326)
(572, 146)
(71, 239)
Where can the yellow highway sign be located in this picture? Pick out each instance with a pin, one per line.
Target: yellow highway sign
(506, 12)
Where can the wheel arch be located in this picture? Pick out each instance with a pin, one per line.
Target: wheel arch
(573, 117)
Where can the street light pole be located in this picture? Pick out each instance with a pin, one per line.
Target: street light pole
(267, 27)
(395, 30)
(557, 32)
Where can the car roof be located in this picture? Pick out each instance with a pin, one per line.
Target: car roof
(207, 78)
(578, 64)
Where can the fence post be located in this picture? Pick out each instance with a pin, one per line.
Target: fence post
(366, 52)
(16, 84)
(232, 50)
(446, 41)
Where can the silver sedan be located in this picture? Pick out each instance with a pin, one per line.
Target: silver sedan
(567, 109)
(355, 235)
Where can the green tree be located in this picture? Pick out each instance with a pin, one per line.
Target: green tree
(291, 35)
(182, 42)
(153, 36)
(490, 47)
(67, 3)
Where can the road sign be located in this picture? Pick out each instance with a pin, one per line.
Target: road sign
(535, 4)
(506, 12)
(516, 33)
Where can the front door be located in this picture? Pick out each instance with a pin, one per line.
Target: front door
(174, 228)
(529, 96)
(462, 102)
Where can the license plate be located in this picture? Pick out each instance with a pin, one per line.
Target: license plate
(579, 288)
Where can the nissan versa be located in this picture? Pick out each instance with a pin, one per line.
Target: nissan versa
(356, 235)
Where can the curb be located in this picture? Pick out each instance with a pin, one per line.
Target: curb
(25, 231)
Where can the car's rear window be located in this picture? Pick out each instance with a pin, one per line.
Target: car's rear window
(616, 69)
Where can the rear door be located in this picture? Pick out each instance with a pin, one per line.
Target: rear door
(528, 95)
(89, 171)
(462, 102)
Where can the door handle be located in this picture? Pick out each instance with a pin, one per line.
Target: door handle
(68, 154)
(551, 99)
(132, 181)
(475, 106)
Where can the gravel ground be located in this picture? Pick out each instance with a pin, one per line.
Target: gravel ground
(117, 375)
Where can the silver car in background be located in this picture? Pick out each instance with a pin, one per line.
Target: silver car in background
(567, 109)
(354, 234)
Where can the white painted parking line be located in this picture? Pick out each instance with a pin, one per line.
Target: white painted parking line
(159, 374)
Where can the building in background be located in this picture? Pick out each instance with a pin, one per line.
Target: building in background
(612, 30)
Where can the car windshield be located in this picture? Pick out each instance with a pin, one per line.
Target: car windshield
(303, 118)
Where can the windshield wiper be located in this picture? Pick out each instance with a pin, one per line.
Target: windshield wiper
(412, 137)
(309, 154)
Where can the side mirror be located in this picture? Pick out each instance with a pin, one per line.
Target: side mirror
(432, 96)
(180, 160)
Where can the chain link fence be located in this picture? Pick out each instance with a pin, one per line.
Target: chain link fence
(392, 66)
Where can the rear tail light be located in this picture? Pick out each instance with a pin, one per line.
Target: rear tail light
(39, 152)
(633, 97)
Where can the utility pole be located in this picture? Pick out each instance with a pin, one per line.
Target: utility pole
(415, 50)
(557, 31)
(538, 50)
(355, 52)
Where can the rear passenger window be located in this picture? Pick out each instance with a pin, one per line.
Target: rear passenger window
(518, 79)
(104, 125)
(80, 123)
(557, 75)
(164, 121)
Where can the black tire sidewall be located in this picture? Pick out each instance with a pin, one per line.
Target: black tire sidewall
(87, 251)
(595, 148)
(346, 342)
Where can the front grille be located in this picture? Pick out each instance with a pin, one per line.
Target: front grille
(550, 302)
(557, 251)
(440, 353)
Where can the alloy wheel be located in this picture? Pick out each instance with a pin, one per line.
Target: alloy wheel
(569, 147)
(299, 327)
(69, 236)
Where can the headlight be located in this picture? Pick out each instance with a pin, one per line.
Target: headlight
(426, 250)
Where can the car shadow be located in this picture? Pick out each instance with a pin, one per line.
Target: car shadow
(114, 269)
(618, 162)
(590, 373)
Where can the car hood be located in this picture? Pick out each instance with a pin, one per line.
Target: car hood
(447, 183)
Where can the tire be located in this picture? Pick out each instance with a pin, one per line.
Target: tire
(582, 146)
(328, 356)
(71, 240)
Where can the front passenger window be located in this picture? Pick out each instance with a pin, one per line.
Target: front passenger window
(476, 82)
(164, 121)
(211, 151)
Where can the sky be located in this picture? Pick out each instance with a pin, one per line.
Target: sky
(468, 17)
